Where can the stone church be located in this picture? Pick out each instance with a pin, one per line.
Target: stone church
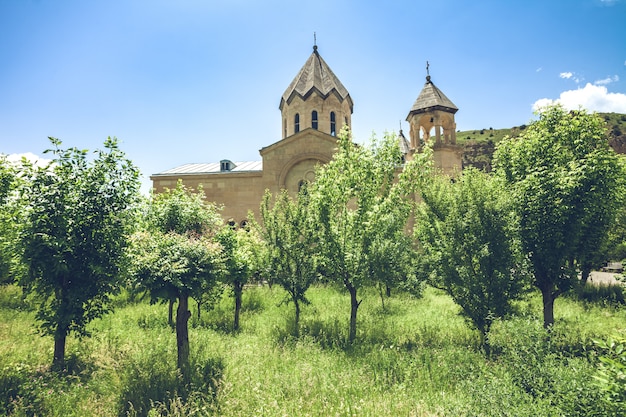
(314, 108)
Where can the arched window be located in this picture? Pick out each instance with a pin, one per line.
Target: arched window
(314, 119)
(333, 124)
(296, 124)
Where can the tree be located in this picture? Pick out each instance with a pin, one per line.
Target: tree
(75, 237)
(240, 247)
(467, 235)
(10, 220)
(180, 266)
(177, 255)
(291, 248)
(357, 206)
(603, 224)
(564, 178)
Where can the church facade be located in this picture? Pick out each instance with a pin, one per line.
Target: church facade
(314, 108)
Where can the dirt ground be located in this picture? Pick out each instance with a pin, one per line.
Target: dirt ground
(598, 277)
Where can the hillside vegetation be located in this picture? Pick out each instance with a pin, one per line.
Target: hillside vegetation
(479, 144)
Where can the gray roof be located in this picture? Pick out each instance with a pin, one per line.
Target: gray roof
(405, 148)
(315, 75)
(213, 168)
(431, 98)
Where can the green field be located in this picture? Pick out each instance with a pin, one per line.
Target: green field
(414, 357)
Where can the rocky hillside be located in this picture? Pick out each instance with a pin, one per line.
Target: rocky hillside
(479, 145)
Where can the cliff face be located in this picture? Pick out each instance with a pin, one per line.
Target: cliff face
(479, 145)
(478, 155)
(618, 143)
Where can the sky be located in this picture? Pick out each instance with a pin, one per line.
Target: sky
(186, 81)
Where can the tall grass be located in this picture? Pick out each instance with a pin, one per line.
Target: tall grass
(414, 357)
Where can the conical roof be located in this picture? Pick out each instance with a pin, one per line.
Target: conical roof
(405, 148)
(431, 98)
(315, 75)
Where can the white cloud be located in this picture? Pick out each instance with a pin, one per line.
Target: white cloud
(34, 159)
(568, 75)
(607, 80)
(591, 97)
(539, 69)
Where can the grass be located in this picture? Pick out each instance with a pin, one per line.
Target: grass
(415, 357)
(486, 135)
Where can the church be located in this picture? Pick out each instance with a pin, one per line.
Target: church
(314, 108)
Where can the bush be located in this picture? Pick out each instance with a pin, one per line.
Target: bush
(611, 374)
(534, 360)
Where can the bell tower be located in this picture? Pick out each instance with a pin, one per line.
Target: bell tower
(315, 99)
(432, 116)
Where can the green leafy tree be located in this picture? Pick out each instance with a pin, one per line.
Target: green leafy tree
(241, 248)
(75, 236)
(467, 234)
(616, 242)
(177, 255)
(291, 249)
(358, 205)
(11, 208)
(564, 178)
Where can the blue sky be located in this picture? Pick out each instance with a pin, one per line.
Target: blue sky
(200, 81)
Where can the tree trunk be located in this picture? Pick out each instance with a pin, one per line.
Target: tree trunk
(170, 313)
(297, 322)
(238, 289)
(354, 306)
(484, 338)
(548, 307)
(182, 333)
(61, 331)
(58, 359)
(388, 291)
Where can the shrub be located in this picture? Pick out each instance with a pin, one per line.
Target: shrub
(611, 374)
(533, 358)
